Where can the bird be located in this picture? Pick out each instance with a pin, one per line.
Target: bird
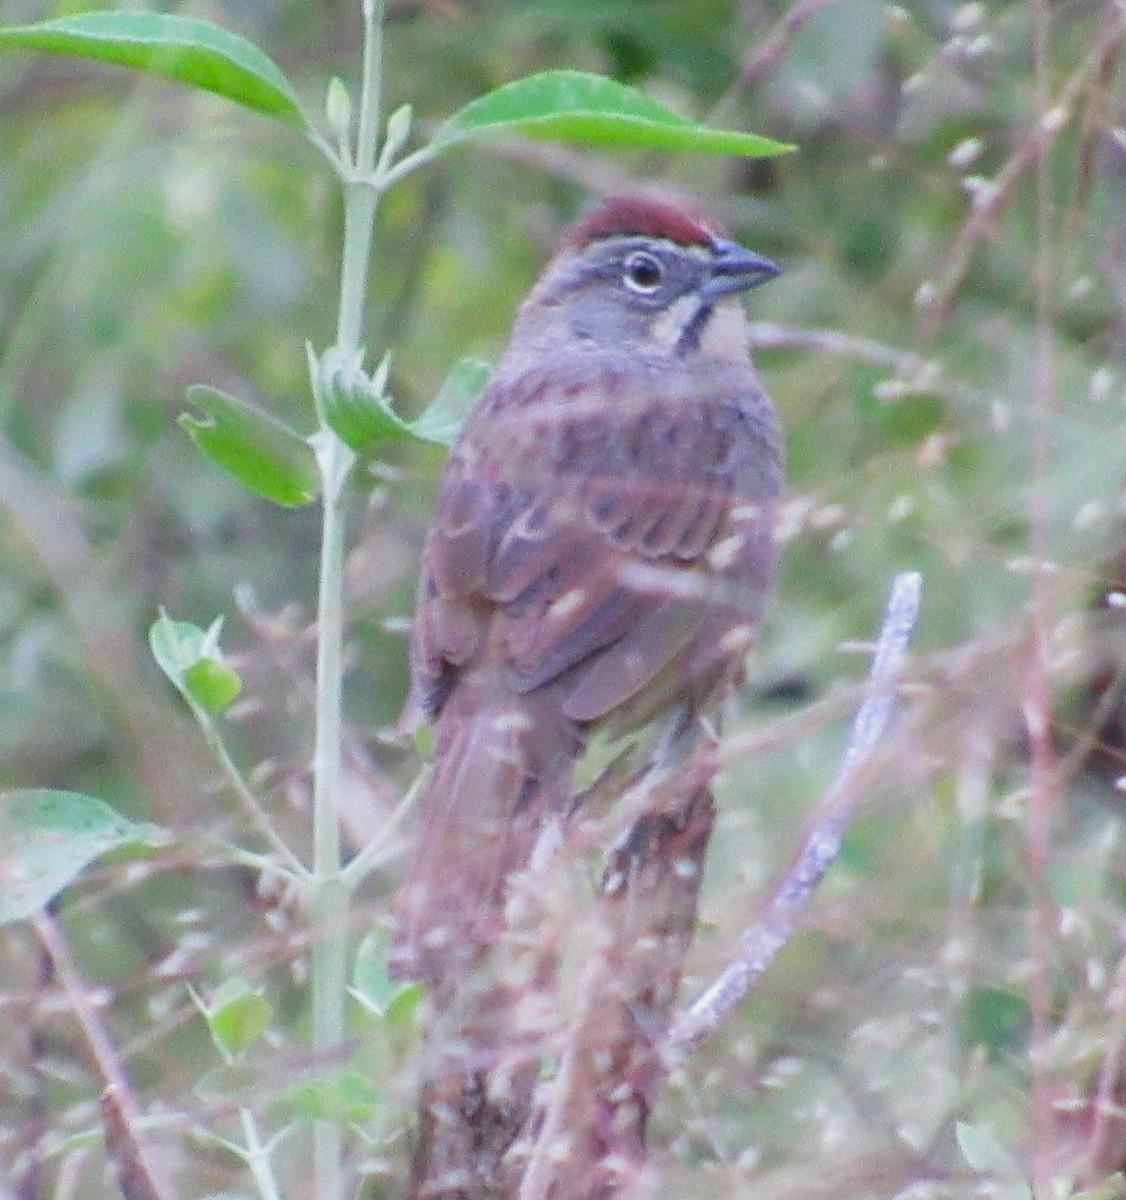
(602, 552)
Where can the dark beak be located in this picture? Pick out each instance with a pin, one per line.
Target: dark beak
(734, 269)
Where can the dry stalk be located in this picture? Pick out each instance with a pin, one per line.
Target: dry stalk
(137, 1174)
(591, 1135)
(991, 200)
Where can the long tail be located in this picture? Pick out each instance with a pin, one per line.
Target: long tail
(501, 764)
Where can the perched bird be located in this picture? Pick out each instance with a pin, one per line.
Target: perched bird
(602, 550)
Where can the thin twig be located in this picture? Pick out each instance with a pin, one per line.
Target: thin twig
(770, 51)
(246, 797)
(1104, 1109)
(991, 200)
(762, 942)
(137, 1174)
(912, 367)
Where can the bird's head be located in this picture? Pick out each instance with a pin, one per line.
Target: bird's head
(642, 273)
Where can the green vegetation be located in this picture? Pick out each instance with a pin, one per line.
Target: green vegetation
(946, 352)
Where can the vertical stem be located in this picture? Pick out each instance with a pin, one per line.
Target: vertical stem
(333, 457)
(372, 85)
(360, 203)
(329, 894)
(360, 199)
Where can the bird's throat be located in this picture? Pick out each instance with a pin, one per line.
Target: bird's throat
(696, 326)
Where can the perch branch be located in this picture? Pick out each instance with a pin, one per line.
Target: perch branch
(762, 941)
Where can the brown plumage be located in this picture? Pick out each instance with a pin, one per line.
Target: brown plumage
(602, 550)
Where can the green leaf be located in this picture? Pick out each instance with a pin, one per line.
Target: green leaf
(48, 837)
(356, 405)
(379, 994)
(358, 408)
(347, 1096)
(575, 106)
(995, 1019)
(191, 51)
(442, 420)
(237, 1016)
(213, 684)
(193, 661)
(259, 451)
(423, 738)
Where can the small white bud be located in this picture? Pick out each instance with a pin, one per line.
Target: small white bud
(913, 83)
(967, 17)
(965, 153)
(1080, 288)
(338, 109)
(979, 46)
(1102, 382)
(399, 128)
(901, 508)
(925, 294)
(1088, 514)
(1055, 118)
(982, 192)
(887, 391)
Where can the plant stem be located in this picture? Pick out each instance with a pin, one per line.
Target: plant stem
(360, 198)
(258, 1157)
(328, 891)
(244, 795)
(329, 898)
(371, 87)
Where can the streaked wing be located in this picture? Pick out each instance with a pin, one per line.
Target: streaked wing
(549, 508)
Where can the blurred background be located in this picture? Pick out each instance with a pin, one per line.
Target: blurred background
(152, 237)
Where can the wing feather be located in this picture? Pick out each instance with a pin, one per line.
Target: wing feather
(634, 662)
(546, 512)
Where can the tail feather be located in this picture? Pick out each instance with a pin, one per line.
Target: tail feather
(496, 771)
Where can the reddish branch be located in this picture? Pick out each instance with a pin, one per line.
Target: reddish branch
(591, 1134)
(137, 1175)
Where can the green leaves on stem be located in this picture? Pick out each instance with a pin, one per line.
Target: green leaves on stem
(276, 462)
(358, 408)
(193, 662)
(575, 106)
(236, 1016)
(49, 838)
(265, 455)
(199, 53)
(566, 106)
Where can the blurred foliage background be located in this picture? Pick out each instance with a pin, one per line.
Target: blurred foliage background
(151, 237)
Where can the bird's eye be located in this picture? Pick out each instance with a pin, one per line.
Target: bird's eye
(643, 273)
